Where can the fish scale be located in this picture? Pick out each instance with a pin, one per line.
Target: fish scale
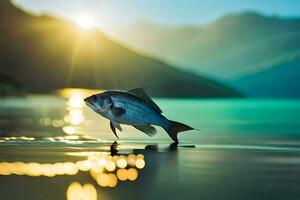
(136, 112)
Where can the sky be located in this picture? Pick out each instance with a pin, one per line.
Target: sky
(115, 13)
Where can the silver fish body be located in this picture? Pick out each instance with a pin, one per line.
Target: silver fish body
(135, 108)
(137, 111)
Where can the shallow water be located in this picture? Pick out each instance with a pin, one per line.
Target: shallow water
(53, 148)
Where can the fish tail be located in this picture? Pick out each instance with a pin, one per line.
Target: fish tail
(175, 127)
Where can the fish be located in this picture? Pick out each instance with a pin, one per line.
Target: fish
(135, 108)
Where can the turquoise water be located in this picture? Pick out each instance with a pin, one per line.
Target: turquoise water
(218, 121)
(54, 148)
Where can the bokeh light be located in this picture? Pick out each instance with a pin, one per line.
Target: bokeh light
(140, 163)
(132, 174)
(103, 168)
(76, 191)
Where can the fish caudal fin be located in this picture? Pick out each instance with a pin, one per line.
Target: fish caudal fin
(175, 128)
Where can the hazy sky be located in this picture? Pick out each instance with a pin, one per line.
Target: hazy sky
(124, 12)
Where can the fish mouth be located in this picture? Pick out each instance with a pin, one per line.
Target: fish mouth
(88, 103)
(86, 99)
(91, 105)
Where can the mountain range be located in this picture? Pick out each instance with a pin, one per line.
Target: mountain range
(246, 50)
(43, 53)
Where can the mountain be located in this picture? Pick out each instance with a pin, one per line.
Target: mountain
(224, 49)
(155, 39)
(43, 54)
(281, 80)
(232, 49)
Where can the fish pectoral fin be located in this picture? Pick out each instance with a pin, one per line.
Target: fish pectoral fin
(116, 111)
(149, 130)
(113, 129)
(116, 125)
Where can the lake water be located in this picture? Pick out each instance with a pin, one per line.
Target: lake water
(57, 148)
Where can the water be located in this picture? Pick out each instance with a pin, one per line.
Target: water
(55, 148)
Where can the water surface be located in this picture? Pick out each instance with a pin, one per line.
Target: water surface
(55, 148)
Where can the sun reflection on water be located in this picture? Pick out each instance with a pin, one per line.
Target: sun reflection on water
(76, 191)
(75, 112)
(105, 169)
(75, 105)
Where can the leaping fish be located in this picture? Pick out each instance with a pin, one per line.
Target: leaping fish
(133, 107)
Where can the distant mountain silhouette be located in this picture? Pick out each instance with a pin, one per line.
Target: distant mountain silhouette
(43, 53)
(232, 47)
(281, 80)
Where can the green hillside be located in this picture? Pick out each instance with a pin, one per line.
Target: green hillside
(43, 54)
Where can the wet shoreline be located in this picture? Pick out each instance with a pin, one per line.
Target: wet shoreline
(183, 170)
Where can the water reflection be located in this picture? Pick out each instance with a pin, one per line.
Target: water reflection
(44, 114)
(76, 191)
(13, 138)
(112, 170)
(104, 168)
(74, 110)
(75, 103)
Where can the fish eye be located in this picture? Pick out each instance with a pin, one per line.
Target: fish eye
(94, 97)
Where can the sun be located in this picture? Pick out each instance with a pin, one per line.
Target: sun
(85, 22)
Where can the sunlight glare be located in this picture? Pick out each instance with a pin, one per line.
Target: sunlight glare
(85, 22)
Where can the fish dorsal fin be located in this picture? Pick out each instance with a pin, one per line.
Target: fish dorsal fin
(140, 93)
